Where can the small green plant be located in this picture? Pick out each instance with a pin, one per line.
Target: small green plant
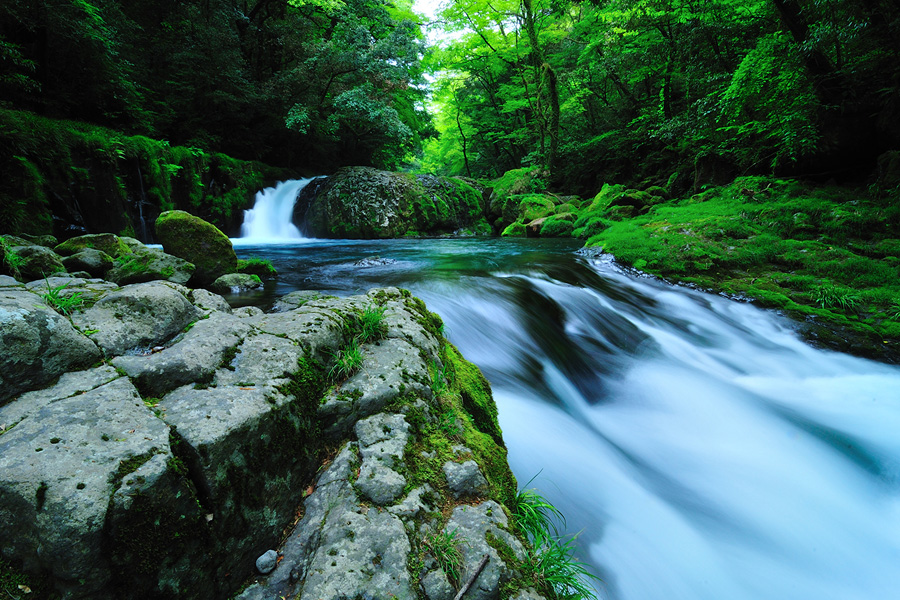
(347, 362)
(554, 568)
(550, 561)
(830, 296)
(63, 304)
(439, 385)
(12, 261)
(371, 324)
(448, 425)
(444, 548)
(894, 311)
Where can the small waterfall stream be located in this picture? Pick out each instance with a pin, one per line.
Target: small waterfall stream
(270, 218)
(701, 450)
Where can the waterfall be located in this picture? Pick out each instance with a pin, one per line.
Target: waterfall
(270, 218)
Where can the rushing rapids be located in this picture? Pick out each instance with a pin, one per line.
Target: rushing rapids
(697, 446)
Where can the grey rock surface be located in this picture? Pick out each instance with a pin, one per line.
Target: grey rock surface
(56, 468)
(392, 366)
(137, 316)
(93, 261)
(267, 562)
(295, 300)
(195, 356)
(38, 344)
(436, 586)
(465, 479)
(473, 523)
(209, 302)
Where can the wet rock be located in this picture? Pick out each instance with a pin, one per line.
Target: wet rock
(393, 366)
(136, 316)
(209, 302)
(295, 300)
(247, 311)
(201, 243)
(374, 261)
(236, 283)
(361, 202)
(38, 343)
(465, 479)
(95, 262)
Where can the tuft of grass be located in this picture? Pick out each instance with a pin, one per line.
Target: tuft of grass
(349, 360)
(444, 548)
(447, 424)
(831, 296)
(550, 561)
(371, 324)
(439, 382)
(63, 304)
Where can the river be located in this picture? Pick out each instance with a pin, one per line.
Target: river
(698, 447)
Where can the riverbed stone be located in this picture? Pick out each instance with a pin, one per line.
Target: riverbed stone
(194, 240)
(38, 343)
(58, 467)
(137, 316)
(266, 563)
(319, 330)
(390, 367)
(436, 586)
(295, 300)
(93, 261)
(236, 283)
(194, 357)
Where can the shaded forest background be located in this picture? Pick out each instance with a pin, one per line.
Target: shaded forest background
(665, 92)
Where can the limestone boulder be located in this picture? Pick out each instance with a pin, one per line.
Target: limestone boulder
(106, 242)
(38, 343)
(362, 202)
(198, 242)
(93, 261)
(150, 264)
(137, 316)
(38, 262)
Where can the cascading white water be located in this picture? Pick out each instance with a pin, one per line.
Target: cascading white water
(700, 448)
(270, 218)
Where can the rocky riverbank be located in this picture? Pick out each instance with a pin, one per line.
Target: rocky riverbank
(161, 442)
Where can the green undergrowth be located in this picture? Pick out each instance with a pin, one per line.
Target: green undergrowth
(99, 169)
(824, 254)
(256, 266)
(18, 586)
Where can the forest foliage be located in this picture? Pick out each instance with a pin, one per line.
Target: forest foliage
(301, 83)
(636, 90)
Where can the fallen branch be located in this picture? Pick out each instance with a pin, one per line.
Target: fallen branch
(478, 570)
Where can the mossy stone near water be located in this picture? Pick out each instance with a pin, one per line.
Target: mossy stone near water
(191, 238)
(105, 242)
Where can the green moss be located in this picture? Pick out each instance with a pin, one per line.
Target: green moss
(816, 252)
(129, 466)
(256, 266)
(18, 585)
(516, 229)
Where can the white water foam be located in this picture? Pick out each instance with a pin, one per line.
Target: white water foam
(269, 221)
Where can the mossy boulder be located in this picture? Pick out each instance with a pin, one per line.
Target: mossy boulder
(236, 283)
(93, 261)
(150, 264)
(38, 261)
(105, 242)
(191, 238)
(558, 226)
(514, 230)
(365, 203)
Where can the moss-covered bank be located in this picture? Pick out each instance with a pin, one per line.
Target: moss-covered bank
(69, 178)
